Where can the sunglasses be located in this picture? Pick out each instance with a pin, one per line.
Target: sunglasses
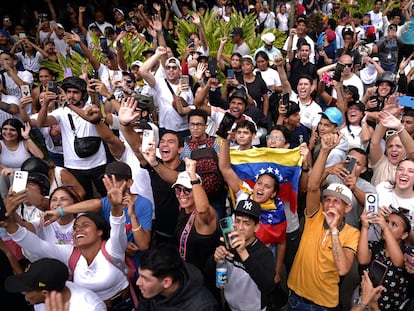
(128, 81)
(348, 65)
(171, 67)
(179, 190)
(390, 133)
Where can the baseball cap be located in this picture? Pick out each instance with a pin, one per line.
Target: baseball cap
(184, 180)
(268, 38)
(44, 274)
(173, 60)
(293, 109)
(333, 114)
(357, 103)
(59, 25)
(249, 59)
(144, 102)
(330, 35)
(137, 63)
(239, 94)
(249, 208)
(120, 169)
(236, 31)
(340, 191)
(42, 180)
(119, 11)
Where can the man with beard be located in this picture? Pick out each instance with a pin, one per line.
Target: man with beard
(86, 169)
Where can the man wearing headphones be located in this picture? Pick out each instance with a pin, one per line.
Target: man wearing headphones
(86, 169)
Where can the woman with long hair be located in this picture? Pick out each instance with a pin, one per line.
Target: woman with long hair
(96, 258)
(16, 146)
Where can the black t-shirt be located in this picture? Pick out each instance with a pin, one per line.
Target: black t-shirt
(297, 69)
(257, 89)
(165, 201)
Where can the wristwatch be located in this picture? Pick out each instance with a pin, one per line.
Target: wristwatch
(360, 304)
(196, 182)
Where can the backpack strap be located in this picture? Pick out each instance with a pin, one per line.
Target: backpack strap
(73, 259)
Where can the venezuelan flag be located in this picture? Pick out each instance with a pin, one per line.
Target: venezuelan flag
(284, 163)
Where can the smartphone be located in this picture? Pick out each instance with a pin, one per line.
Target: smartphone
(225, 125)
(264, 2)
(230, 73)
(147, 139)
(68, 72)
(22, 35)
(285, 100)
(25, 90)
(212, 65)
(349, 163)
(20, 181)
(117, 76)
(406, 101)
(190, 42)
(377, 272)
(338, 71)
(95, 74)
(103, 43)
(2, 210)
(185, 82)
(371, 202)
(52, 87)
(226, 227)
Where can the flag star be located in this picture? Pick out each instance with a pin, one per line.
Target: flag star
(262, 171)
(276, 171)
(256, 176)
(270, 169)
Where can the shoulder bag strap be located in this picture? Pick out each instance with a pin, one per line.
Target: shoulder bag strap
(169, 87)
(72, 125)
(185, 234)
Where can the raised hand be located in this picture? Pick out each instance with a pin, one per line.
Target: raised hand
(127, 112)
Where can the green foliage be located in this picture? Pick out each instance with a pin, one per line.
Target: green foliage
(216, 29)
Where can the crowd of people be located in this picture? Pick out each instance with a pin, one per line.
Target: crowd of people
(131, 181)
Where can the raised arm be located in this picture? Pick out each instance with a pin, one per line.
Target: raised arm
(145, 70)
(230, 176)
(287, 88)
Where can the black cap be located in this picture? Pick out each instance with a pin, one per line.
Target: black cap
(353, 90)
(120, 169)
(44, 274)
(144, 102)
(293, 109)
(237, 31)
(357, 103)
(239, 94)
(248, 208)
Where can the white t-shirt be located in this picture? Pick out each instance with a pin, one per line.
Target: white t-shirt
(309, 112)
(81, 299)
(82, 128)
(31, 63)
(167, 116)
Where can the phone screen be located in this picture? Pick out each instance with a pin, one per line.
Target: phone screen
(230, 73)
(25, 90)
(338, 71)
(377, 272)
(185, 82)
(226, 226)
(52, 87)
(285, 100)
(225, 125)
(104, 44)
(212, 65)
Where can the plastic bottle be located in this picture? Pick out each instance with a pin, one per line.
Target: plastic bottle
(221, 273)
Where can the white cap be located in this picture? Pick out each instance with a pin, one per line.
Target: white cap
(340, 191)
(268, 38)
(137, 63)
(184, 180)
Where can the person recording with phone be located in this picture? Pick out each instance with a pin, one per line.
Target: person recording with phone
(389, 250)
(250, 264)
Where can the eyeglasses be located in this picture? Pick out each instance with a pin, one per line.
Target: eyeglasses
(196, 124)
(272, 137)
(349, 65)
(171, 67)
(179, 190)
(128, 81)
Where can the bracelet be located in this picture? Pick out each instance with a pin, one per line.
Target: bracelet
(400, 130)
(26, 138)
(306, 169)
(136, 229)
(60, 210)
(335, 232)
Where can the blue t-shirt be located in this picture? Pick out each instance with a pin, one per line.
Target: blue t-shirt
(143, 211)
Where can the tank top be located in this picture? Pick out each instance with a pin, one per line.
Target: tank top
(13, 159)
